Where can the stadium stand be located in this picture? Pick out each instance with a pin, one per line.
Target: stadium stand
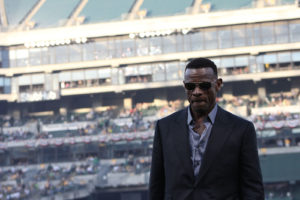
(203, 39)
(83, 82)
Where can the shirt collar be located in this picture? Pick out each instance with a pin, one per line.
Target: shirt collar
(211, 116)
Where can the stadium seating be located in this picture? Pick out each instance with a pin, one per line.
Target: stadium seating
(83, 82)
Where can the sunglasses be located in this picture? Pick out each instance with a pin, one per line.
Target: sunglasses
(201, 85)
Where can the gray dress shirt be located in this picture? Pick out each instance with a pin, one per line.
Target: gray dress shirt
(198, 143)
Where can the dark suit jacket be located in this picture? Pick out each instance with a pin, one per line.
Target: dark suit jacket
(230, 167)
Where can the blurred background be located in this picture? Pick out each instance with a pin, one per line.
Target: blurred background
(82, 83)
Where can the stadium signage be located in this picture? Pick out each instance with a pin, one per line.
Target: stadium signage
(38, 96)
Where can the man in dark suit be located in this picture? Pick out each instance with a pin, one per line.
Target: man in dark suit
(204, 152)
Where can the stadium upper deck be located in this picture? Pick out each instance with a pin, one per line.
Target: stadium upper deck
(52, 49)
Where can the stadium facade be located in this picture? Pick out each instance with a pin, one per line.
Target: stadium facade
(61, 58)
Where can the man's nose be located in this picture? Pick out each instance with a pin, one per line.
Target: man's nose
(197, 90)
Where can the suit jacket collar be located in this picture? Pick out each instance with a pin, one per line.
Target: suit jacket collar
(219, 133)
(211, 116)
(180, 130)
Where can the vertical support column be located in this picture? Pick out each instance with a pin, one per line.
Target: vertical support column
(64, 107)
(97, 102)
(161, 98)
(49, 82)
(4, 58)
(15, 87)
(295, 85)
(15, 111)
(228, 90)
(16, 114)
(261, 92)
(127, 103)
(231, 96)
(24, 111)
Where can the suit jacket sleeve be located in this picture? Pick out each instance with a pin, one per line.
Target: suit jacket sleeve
(157, 176)
(250, 173)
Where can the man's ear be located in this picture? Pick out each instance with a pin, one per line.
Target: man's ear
(219, 84)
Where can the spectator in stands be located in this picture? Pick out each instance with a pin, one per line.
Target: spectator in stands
(203, 151)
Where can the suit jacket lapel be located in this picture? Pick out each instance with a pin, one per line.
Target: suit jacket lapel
(182, 144)
(220, 131)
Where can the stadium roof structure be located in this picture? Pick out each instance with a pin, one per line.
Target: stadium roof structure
(36, 14)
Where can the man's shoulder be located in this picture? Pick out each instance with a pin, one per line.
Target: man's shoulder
(233, 117)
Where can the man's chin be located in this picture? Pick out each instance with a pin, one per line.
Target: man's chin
(199, 109)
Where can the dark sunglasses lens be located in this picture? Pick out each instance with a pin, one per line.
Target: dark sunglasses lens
(205, 85)
(202, 86)
(190, 86)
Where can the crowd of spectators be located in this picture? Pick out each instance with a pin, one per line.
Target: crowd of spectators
(132, 165)
(25, 183)
(271, 100)
(28, 182)
(106, 122)
(140, 118)
(51, 179)
(279, 191)
(269, 117)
